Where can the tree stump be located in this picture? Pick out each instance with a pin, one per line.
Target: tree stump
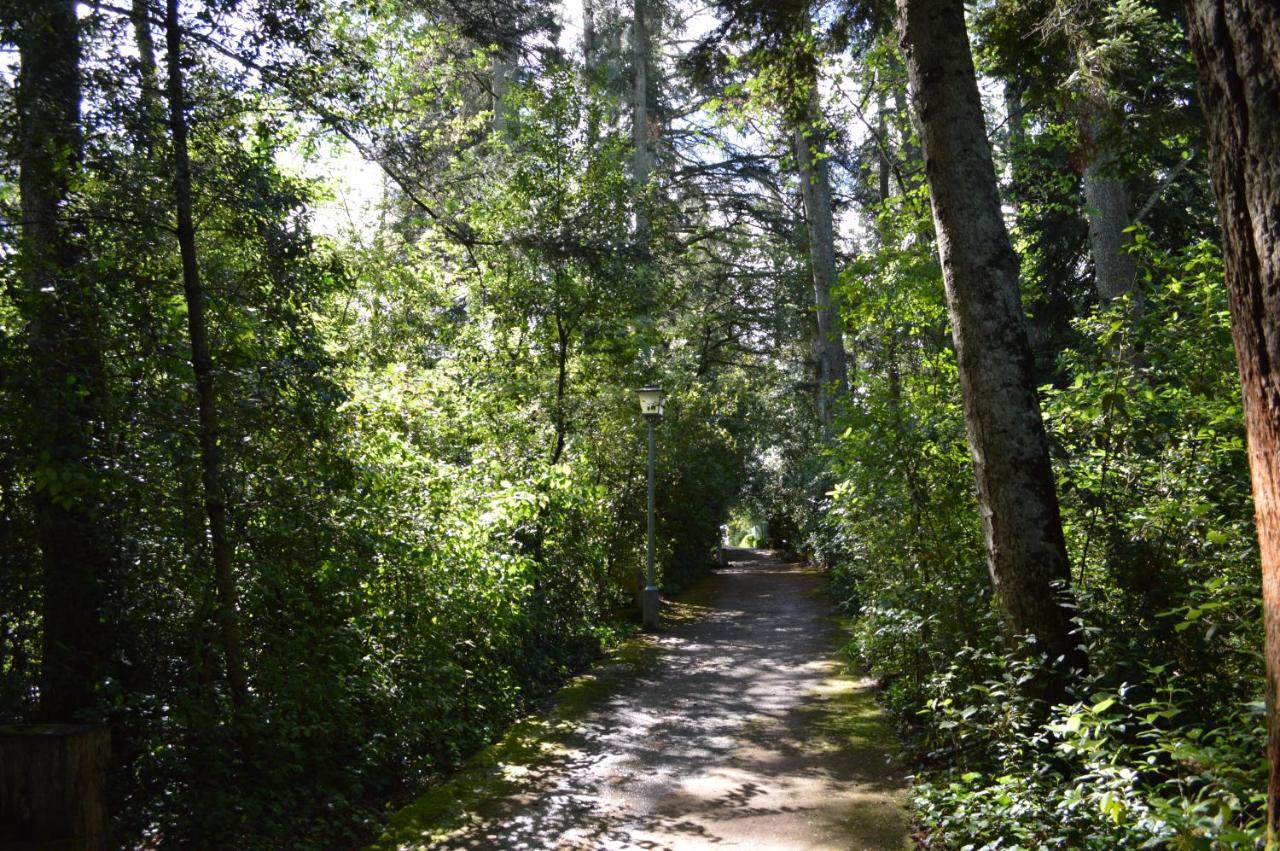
(53, 785)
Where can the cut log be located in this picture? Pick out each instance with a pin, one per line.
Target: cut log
(53, 786)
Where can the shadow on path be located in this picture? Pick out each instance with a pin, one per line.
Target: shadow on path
(740, 731)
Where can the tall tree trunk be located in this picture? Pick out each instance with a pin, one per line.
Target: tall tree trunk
(1016, 493)
(589, 71)
(640, 118)
(1107, 210)
(815, 189)
(202, 364)
(140, 17)
(561, 415)
(1040, 324)
(589, 36)
(1237, 49)
(151, 115)
(503, 67)
(882, 158)
(820, 396)
(1017, 119)
(67, 392)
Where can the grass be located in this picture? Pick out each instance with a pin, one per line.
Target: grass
(517, 761)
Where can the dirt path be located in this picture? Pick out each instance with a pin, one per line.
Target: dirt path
(739, 731)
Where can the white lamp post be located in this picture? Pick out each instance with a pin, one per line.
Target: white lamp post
(651, 399)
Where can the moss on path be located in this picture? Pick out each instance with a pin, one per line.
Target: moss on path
(735, 727)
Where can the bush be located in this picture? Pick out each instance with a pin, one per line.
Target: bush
(1145, 425)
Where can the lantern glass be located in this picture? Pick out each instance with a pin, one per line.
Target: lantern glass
(651, 399)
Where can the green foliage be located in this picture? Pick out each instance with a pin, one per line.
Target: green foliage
(1146, 431)
(1123, 769)
(1155, 501)
(434, 466)
(434, 463)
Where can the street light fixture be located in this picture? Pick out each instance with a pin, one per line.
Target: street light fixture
(651, 401)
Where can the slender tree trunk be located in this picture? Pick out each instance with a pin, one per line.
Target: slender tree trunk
(640, 118)
(892, 369)
(815, 189)
(67, 393)
(589, 71)
(1016, 493)
(882, 160)
(503, 66)
(1237, 49)
(1017, 120)
(1015, 144)
(141, 19)
(202, 364)
(562, 385)
(151, 115)
(1039, 325)
(589, 36)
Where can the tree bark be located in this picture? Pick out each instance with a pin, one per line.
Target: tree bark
(815, 189)
(589, 71)
(202, 364)
(503, 67)
(882, 157)
(1017, 498)
(562, 384)
(1017, 136)
(53, 786)
(589, 36)
(151, 114)
(1107, 210)
(1237, 50)
(67, 391)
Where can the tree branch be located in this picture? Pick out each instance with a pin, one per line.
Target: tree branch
(1169, 178)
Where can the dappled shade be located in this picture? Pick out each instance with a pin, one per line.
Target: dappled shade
(739, 729)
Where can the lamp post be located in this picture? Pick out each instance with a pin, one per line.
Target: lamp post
(651, 399)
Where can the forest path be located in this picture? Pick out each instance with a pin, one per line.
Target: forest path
(740, 729)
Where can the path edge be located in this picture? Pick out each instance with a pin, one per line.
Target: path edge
(501, 768)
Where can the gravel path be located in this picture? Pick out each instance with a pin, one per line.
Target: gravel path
(742, 733)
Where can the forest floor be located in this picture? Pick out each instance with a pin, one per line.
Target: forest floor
(738, 725)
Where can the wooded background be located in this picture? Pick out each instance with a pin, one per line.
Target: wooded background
(309, 492)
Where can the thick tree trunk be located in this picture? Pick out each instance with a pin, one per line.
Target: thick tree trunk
(53, 786)
(68, 388)
(820, 395)
(202, 364)
(1237, 48)
(1107, 210)
(815, 189)
(1016, 493)
(640, 118)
